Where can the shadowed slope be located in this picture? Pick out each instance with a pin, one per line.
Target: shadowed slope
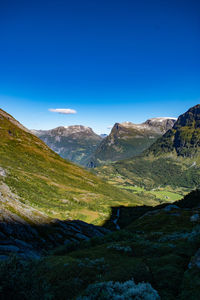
(157, 246)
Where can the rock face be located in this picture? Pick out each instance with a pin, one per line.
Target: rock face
(75, 143)
(184, 138)
(162, 124)
(127, 140)
(2, 172)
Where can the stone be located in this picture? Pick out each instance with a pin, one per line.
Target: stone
(9, 248)
(2, 172)
(194, 218)
(3, 257)
(170, 207)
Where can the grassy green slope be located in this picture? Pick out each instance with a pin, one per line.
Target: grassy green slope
(51, 184)
(151, 172)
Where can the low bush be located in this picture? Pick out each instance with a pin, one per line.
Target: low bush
(121, 291)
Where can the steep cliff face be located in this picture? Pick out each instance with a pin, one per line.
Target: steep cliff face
(76, 143)
(128, 139)
(161, 124)
(184, 138)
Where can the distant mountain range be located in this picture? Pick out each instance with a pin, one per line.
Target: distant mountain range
(128, 140)
(82, 146)
(76, 143)
(174, 159)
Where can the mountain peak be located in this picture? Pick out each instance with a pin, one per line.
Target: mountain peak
(161, 119)
(161, 124)
(4, 114)
(65, 131)
(190, 118)
(128, 139)
(74, 142)
(183, 138)
(78, 128)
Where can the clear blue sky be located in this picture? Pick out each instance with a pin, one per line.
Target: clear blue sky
(111, 61)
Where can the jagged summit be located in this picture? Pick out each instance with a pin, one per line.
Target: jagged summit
(75, 142)
(78, 127)
(184, 138)
(163, 118)
(65, 130)
(190, 118)
(128, 139)
(160, 123)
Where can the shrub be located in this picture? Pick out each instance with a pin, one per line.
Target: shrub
(20, 280)
(119, 291)
(119, 248)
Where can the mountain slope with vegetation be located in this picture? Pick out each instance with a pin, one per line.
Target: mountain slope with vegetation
(50, 184)
(128, 139)
(173, 160)
(76, 143)
(155, 256)
(140, 252)
(183, 138)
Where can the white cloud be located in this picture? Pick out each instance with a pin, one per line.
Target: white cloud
(65, 111)
(110, 127)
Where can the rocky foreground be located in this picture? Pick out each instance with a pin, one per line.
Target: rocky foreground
(28, 233)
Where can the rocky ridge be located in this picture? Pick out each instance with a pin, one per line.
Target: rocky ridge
(183, 138)
(172, 160)
(128, 139)
(76, 142)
